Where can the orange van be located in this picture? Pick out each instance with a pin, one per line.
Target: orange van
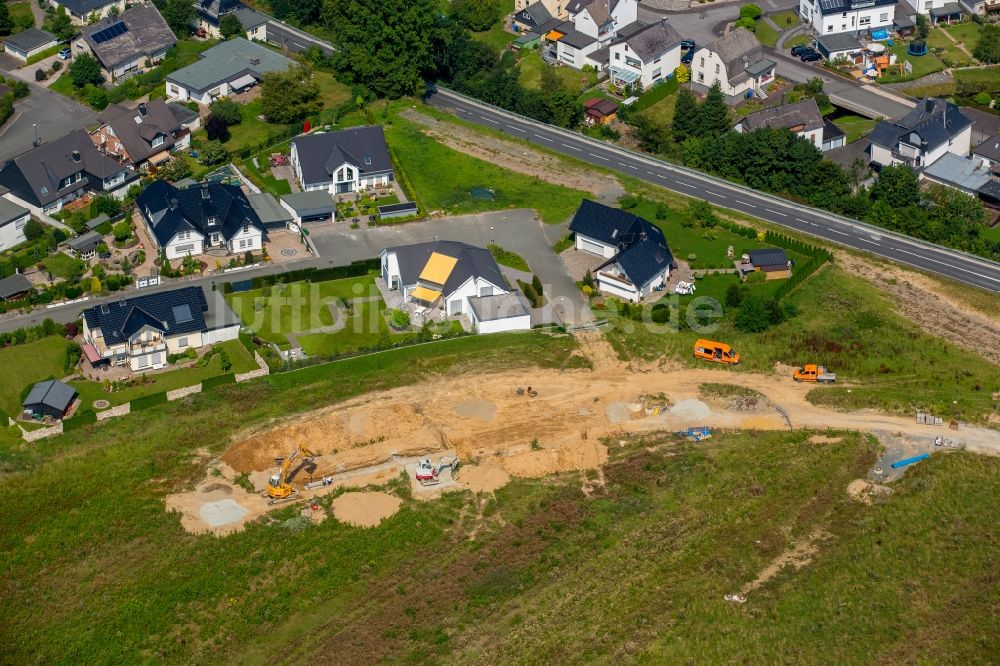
(717, 352)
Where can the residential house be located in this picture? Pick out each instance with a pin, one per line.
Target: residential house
(190, 221)
(225, 69)
(142, 331)
(50, 398)
(939, 11)
(254, 23)
(141, 137)
(772, 262)
(534, 19)
(601, 19)
(313, 206)
(570, 47)
(599, 111)
(210, 12)
(980, 7)
(128, 43)
(833, 136)
(833, 16)
(961, 172)
(801, 118)
(85, 246)
(14, 287)
(648, 56)
(83, 11)
(637, 259)
(935, 127)
(346, 161)
(554, 8)
(29, 42)
(736, 62)
(988, 151)
(13, 219)
(45, 178)
(458, 279)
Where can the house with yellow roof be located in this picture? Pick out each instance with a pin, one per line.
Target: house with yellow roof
(455, 279)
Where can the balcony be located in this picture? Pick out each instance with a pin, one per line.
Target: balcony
(141, 349)
(616, 277)
(910, 161)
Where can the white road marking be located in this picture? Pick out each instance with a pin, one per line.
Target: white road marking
(842, 233)
(744, 203)
(693, 187)
(571, 147)
(776, 212)
(544, 138)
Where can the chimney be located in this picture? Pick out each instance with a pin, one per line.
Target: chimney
(173, 203)
(142, 109)
(76, 155)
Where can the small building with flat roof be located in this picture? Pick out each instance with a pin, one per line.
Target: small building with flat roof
(223, 70)
(30, 42)
(315, 206)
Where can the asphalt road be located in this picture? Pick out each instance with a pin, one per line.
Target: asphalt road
(55, 115)
(910, 252)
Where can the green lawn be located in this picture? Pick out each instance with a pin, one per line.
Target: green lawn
(424, 160)
(766, 35)
(966, 33)
(249, 131)
(331, 91)
(63, 85)
(786, 20)
(922, 65)
(951, 55)
(663, 111)
(497, 37)
(845, 324)
(987, 78)
(21, 11)
(169, 380)
(855, 126)
(507, 258)
(61, 265)
(531, 66)
(797, 40)
(274, 311)
(23, 365)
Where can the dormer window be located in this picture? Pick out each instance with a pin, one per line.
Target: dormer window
(204, 193)
(213, 220)
(157, 140)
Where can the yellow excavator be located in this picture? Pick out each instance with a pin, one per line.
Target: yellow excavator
(279, 486)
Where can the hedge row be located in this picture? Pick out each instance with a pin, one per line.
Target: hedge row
(51, 51)
(219, 380)
(147, 401)
(801, 273)
(355, 269)
(655, 94)
(80, 420)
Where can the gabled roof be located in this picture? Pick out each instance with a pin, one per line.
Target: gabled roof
(173, 312)
(534, 16)
(250, 18)
(51, 393)
(30, 39)
(86, 242)
(801, 116)
(211, 10)
(831, 131)
(990, 149)
(136, 32)
(771, 256)
(601, 105)
(228, 61)
(13, 285)
(470, 261)
(35, 176)
(209, 208)
(136, 128)
(363, 147)
(934, 121)
(10, 211)
(643, 251)
(738, 49)
(574, 37)
(652, 41)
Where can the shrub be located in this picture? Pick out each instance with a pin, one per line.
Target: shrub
(40, 75)
(983, 99)
(756, 277)
(629, 201)
(399, 319)
(751, 11)
(56, 66)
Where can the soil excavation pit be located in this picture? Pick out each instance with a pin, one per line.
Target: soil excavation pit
(365, 509)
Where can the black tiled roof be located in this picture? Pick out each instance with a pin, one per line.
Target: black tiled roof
(769, 257)
(50, 393)
(172, 312)
(642, 248)
(14, 285)
(934, 121)
(168, 210)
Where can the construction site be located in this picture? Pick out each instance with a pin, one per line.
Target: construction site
(476, 431)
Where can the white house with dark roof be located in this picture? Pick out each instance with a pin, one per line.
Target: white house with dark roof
(45, 178)
(142, 331)
(648, 56)
(801, 118)
(185, 222)
(29, 42)
(637, 259)
(458, 279)
(918, 139)
(13, 219)
(81, 11)
(736, 62)
(353, 159)
(829, 17)
(125, 43)
(223, 70)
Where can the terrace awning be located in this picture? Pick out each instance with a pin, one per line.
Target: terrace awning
(624, 75)
(159, 157)
(438, 268)
(424, 294)
(91, 353)
(554, 35)
(243, 82)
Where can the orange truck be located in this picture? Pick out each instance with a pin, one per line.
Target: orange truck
(717, 352)
(814, 373)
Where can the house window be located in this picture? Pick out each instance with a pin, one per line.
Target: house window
(143, 361)
(702, 62)
(157, 140)
(865, 20)
(632, 62)
(618, 56)
(183, 342)
(929, 4)
(655, 62)
(829, 28)
(882, 18)
(701, 77)
(716, 68)
(657, 73)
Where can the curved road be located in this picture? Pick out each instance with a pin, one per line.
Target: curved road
(956, 265)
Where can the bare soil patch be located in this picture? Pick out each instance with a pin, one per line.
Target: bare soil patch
(365, 509)
(824, 439)
(517, 157)
(797, 556)
(484, 478)
(864, 491)
(924, 301)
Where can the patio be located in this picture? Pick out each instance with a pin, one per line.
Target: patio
(419, 313)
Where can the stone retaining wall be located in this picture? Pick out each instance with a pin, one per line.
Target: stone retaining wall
(35, 435)
(261, 371)
(177, 394)
(120, 410)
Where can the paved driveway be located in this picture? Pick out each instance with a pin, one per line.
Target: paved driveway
(54, 114)
(515, 230)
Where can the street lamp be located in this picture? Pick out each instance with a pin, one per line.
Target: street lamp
(491, 235)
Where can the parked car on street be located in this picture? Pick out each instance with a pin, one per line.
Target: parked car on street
(687, 44)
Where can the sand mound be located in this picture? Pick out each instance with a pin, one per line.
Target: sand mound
(862, 490)
(485, 478)
(483, 410)
(365, 509)
(690, 409)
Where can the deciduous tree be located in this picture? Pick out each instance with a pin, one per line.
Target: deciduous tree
(85, 69)
(289, 96)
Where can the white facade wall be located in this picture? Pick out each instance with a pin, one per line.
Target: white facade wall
(925, 6)
(521, 323)
(652, 72)
(573, 57)
(625, 13)
(457, 302)
(390, 270)
(707, 68)
(181, 245)
(959, 145)
(218, 335)
(592, 246)
(869, 18)
(249, 239)
(259, 33)
(12, 233)
(84, 19)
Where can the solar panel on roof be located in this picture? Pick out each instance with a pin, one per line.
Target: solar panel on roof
(110, 32)
(182, 314)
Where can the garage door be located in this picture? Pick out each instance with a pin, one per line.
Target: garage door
(590, 246)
